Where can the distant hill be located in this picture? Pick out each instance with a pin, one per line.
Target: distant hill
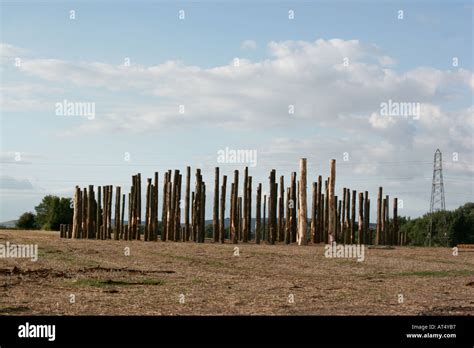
(9, 224)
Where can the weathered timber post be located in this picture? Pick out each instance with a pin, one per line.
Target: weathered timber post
(146, 234)
(215, 211)
(222, 210)
(234, 207)
(281, 211)
(139, 205)
(244, 223)
(344, 215)
(332, 212)
(155, 208)
(384, 213)
(264, 233)
(258, 216)
(202, 229)
(366, 218)
(122, 218)
(231, 213)
(193, 217)
(288, 216)
(249, 208)
(314, 202)
(379, 217)
(118, 195)
(326, 212)
(130, 217)
(239, 218)
(186, 204)
(164, 209)
(339, 219)
(360, 220)
(303, 209)
(272, 208)
(293, 208)
(396, 238)
(353, 216)
(387, 221)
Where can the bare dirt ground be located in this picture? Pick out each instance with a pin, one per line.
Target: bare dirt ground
(210, 280)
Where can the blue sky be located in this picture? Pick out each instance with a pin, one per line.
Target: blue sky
(190, 62)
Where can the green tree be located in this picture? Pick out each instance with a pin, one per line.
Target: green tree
(27, 221)
(53, 211)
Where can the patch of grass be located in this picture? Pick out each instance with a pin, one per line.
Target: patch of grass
(111, 282)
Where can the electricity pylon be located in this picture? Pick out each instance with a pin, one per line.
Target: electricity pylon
(437, 190)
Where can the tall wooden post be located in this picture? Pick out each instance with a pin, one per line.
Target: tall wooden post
(215, 212)
(155, 208)
(264, 221)
(360, 230)
(319, 225)
(353, 216)
(387, 221)
(303, 209)
(234, 207)
(249, 208)
(139, 205)
(379, 217)
(202, 225)
(258, 215)
(281, 210)
(272, 208)
(123, 217)
(332, 212)
(288, 216)
(314, 199)
(383, 239)
(186, 204)
(244, 223)
(118, 195)
(366, 218)
(293, 208)
(222, 210)
(396, 239)
(164, 212)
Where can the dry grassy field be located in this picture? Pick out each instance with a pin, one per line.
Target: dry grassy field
(210, 280)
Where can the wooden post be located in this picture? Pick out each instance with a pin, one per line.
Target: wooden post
(249, 208)
(272, 208)
(344, 216)
(234, 207)
(281, 211)
(383, 238)
(332, 212)
(215, 212)
(396, 239)
(193, 217)
(326, 212)
(319, 225)
(368, 221)
(366, 218)
(202, 229)
(231, 214)
(122, 219)
(264, 234)
(339, 213)
(360, 230)
(177, 210)
(155, 208)
(222, 210)
(288, 216)
(387, 221)
(293, 207)
(164, 210)
(239, 216)
(139, 205)
(244, 222)
(258, 216)
(130, 217)
(186, 204)
(303, 210)
(353, 216)
(118, 195)
(314, 199)
(379, 217)
(146, 234)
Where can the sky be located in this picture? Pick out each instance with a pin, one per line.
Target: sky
(172, 83)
